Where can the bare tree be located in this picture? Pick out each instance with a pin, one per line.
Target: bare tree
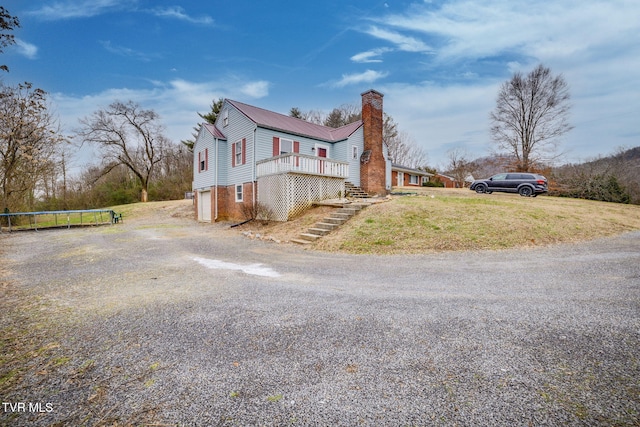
(531, 114)
(129, 136)
(340, 116)
(459, 167)
(402, 149)
(29, 139)
(7, 23)
(343, 115)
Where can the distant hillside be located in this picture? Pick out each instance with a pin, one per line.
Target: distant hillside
(615, 178)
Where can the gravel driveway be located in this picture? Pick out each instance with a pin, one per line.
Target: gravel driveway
(169, 322)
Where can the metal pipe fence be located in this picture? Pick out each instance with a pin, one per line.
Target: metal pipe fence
(57, 219)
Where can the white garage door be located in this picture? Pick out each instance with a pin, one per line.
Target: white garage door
(204, 206)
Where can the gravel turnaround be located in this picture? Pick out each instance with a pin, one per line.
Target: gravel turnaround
(178, 323)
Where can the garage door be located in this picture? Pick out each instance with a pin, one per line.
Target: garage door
(204, 206)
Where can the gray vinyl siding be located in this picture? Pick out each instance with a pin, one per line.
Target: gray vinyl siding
(203, 179)
(239, 127)
(222, 163)
(343, 153)
(265, 143)
(340, 151)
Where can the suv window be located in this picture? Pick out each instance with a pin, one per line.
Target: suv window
(499, 177)
(520, 176)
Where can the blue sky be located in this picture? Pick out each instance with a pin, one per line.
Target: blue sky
(438, 63)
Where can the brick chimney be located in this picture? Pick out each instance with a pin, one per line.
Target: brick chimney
(372, 163)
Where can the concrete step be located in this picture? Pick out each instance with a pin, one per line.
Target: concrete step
(310, 237)
(349, 211)
(301, 242)
(326, 225)
(342, 215)
(318, 231)
(337, 221)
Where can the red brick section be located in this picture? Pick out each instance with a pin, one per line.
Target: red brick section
(228, 208)
(373, 165)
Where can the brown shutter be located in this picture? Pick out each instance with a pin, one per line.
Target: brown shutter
(276, 146)
(296, 149)
(206, 159)
(199, 160)
(233, 155)
(244, 150)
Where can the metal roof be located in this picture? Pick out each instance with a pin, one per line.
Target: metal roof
(401, 168)
(214, 131)
(276, 121)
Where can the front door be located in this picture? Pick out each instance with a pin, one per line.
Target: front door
(322, 152)
(400, 179)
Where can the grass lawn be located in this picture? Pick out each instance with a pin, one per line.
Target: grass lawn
(451, 220)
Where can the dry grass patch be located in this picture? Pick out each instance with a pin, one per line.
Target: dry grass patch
(461, 220)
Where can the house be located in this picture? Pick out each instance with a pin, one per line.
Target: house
(451, 182)
(408, 177)
(257, 161)
(448, 181)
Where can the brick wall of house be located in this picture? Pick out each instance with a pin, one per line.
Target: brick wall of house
(228, 208)
(373, 165)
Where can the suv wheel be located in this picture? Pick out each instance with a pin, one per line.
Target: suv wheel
(525, 191)
(481, 188)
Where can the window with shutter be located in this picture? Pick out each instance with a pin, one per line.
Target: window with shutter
(238, 153)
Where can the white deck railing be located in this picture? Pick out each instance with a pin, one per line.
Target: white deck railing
(301, 163)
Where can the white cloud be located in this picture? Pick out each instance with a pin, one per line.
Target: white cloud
(178, 103)
(127, 52)
(594, 46)
(441, 117)
(370, 55)
(368, 76)
(258, 89)
(402, 42)
(25, 49)
(71, 9)
(480, 28)
(79, 9)
(178, 12)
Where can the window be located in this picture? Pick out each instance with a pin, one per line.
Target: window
(413, 179)
(354, 152)
(286, 146)
(225, 117)
(238, 153)
(238, 192)
(203, 160)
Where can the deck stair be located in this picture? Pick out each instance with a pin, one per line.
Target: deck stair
(338, 217)
(354, 191)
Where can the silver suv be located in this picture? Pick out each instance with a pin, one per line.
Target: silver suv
(524, 183)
